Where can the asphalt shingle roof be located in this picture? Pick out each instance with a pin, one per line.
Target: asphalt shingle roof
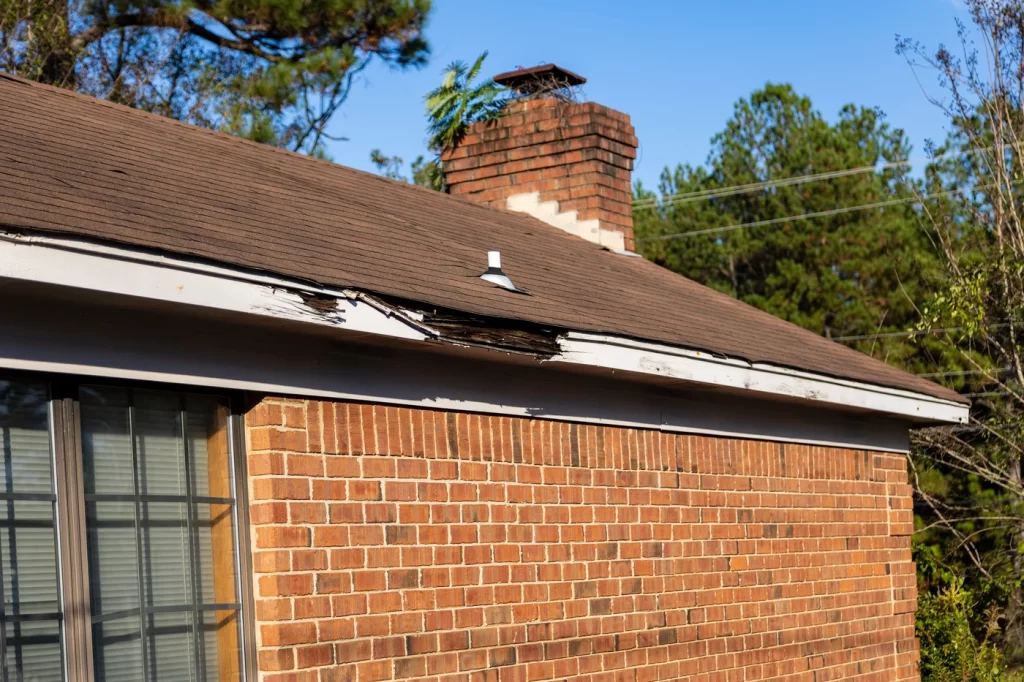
(79, 166)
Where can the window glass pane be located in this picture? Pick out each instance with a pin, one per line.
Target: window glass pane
(220, 639)
(113, 563)
(24, 421)
(215, 531)
(159, 443)
(34, 649)
(29, 620)
(106, 441)
(208, 447)
(117, 650)
(28, 546)
(157, 529)
(166, 571)
(170, 648)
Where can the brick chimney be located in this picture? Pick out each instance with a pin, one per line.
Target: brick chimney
(564, 162)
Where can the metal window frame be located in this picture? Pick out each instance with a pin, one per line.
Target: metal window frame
(70, 521)
(69, 475)
(243, 550)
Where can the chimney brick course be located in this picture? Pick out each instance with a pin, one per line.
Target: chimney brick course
(392, 543)
(578, 154)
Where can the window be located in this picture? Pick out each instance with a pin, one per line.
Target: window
(31, 617)
(125, 499)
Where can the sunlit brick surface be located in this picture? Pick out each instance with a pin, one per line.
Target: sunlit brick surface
(578, 154)
(395, 544)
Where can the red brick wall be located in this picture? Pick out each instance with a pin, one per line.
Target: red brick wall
(580, 155)
(394, 544)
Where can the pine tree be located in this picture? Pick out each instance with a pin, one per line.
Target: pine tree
(856, 273)
(271, 70)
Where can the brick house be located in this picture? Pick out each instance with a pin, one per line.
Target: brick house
(262, 418)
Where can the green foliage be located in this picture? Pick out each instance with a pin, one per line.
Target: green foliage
(451, 108)
(942, 561)
(425, 172)
(457, 103)
(849, 274)
(969, 479)
(962, 304)
(388, 166)
(954, 646)
(271, 70)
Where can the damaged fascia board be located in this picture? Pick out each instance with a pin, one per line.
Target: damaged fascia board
(627, 355)
(110, 269)
(131, 272)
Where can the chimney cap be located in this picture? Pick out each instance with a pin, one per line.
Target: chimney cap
(537, 79)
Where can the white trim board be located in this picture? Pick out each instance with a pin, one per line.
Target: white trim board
(114, 270)
(646, 358)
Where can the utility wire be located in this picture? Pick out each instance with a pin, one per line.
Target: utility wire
(700, 195)
(805, 216)
(912, 332)
(966, 372)
(772, 221)
(686, 197)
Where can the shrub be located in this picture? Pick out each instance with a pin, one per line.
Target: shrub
(951, 649)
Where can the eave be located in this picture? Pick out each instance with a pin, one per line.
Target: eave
(118, 270)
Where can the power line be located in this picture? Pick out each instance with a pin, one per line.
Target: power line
(699, 195)
(804, 216)
(912, 332)
(963, 373)
(889, 335)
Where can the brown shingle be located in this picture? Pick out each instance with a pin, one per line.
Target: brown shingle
(75, 165)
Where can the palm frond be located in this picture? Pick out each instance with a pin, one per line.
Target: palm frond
(458, 102)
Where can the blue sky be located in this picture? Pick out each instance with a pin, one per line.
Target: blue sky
(676, 67)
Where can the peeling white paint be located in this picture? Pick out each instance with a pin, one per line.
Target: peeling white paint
(107, 269)
(617, 353)
(548, 212)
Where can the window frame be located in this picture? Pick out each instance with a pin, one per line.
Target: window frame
(65, 433)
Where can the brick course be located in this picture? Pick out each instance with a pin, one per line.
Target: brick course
(578, 154)
(398, 544)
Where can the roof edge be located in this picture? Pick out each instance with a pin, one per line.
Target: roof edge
(116, 269)
(629, 355)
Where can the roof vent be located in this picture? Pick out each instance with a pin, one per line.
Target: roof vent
(495, 275)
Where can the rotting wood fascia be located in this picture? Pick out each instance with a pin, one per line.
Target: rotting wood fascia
(319, 303)
(464, 329)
